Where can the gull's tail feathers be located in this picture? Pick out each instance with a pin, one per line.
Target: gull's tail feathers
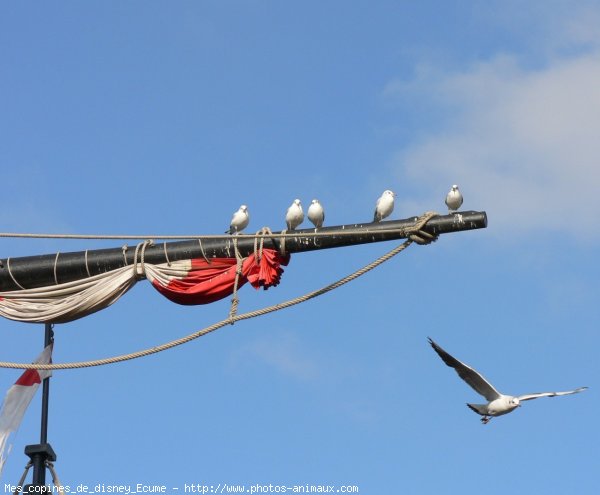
(478, 408)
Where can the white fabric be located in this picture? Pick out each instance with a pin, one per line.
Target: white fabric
(165, 273)
(68, 301)
(16, 401)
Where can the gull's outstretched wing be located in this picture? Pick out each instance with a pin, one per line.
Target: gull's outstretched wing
(549, 394)
(468, 374)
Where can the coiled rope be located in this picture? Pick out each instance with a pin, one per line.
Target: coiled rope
(415, 234)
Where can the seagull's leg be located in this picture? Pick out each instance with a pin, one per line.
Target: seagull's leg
(486, 419)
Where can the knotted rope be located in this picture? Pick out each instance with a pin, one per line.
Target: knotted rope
(414, 234)
(258, 250)
(235, 300)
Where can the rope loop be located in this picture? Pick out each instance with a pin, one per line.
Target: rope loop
(258, 246)
(87, 268)
(166, 254)
(12, 276)
(203, 253)
(282, 251)
(56, 266)
(140, 267)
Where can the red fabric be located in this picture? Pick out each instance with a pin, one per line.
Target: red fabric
(207, 283)
(29, 378)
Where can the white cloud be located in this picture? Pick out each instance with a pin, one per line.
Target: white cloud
(282, 353)
(523, 144)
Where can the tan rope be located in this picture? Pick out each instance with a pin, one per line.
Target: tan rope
(87, 268)
(282, 239)
(140, 249)
(203, 253)
(11, 274)
(258, 246)
(58, 485)
(166, 255)
(416, 229)
(19, 485)
(235, 300)
(258, 249)
(282, 234)
(55, 268)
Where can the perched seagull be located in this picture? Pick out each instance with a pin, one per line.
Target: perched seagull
(498, 404)
(316, 214)
(384, 205)
(294, 215)
(454, 199)
(239, 221)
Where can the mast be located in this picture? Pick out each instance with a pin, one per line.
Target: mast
(42, 452)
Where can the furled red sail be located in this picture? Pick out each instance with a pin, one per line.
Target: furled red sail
(190, 282)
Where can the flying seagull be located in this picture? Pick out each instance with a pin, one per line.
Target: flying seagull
(316, 214)
(384, 206)
(498, 404)
(294, 215)
(239, 221)
(454, 199)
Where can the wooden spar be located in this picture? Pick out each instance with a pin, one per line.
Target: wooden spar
(44, 270)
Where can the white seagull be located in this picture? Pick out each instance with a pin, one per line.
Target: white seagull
(239, 221)
(498, 404)
(316, 214)
(454, 199)
(294, 215)
(384, 205)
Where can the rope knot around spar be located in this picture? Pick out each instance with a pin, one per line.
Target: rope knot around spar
(259, 245)
(140, 250)
(418, 234)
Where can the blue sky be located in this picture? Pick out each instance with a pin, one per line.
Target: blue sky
(162, 118)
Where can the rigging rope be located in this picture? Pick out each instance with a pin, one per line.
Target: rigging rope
(238, 273)
(57, 484)
(19, 485)
(283, 234)
(415, 234)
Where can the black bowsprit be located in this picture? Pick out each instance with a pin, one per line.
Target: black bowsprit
(45, 270)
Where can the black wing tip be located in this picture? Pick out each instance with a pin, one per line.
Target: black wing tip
(436, 347)
(473, 408)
